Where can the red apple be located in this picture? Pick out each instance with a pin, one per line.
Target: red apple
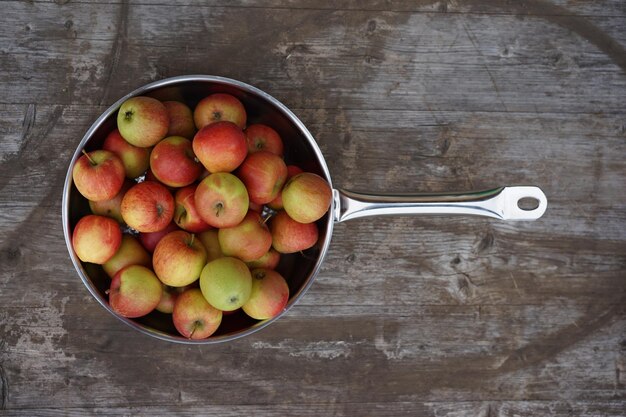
(181, 119)
(135, 159)
(148, 207)
(269, 261)
(150, 240)
(194, 317)
(96, 238)
(143, 121)
(98, 175)
(178, 259)
(221, 200)
(277, 203)
(249, 240)
(173, 162)
(226, 283)
(129, 253)
(185, 214)
(135, 291)
(263, 138)
(111, 208)
(219, 107)
(289, 236)
(306, 197)
(255, 207)
(269, 295)
(221, 146)
(264, 174)
(211, 243)
(168, 298)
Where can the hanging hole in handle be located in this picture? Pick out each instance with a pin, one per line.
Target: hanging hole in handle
(528, 203)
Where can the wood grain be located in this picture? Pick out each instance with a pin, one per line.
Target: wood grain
(432, 315)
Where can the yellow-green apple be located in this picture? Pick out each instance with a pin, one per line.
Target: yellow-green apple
(289, 236)
(226, 283)
(277, 203)
(135, 291)
(143, 121)
(221, 146)
(221, 200)
(98, 175)
(263, 174)
(306, 197)
(181, 119)
(96, 238)
(249, 240)
(263, 138)
(173, 162)
(129, 253)
(194, 317)
(150, 240)
(269, 295)
(185, 214)
(219, 107)
(211, 243)
(135, 159)
(111, 208)
(269, 261)
(178, 259)
(148, 207)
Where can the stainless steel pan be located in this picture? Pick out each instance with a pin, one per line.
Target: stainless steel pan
(302, 150)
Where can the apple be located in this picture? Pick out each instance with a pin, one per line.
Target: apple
(135, 159)
(277, 203)
(178, 259)
(211, 243)
(173, 162)
(185, 214)
(219, 107)
(221, 200)
(135, 291)
(129, 253)
(168, 298)
(98, 175)
(96, 238)
(148, 207)
(143, 121)
(111, 208)
(306, 197)
(289, 236)
(226, 283)
(181, 119)
(263, 174)
(194, 317)
(150, 240)
(220, 147)
(263, 138)
(269, 295)
(249, 240)
(269, 261)
(255, 207)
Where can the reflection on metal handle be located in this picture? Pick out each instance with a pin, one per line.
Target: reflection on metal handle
(500, 203)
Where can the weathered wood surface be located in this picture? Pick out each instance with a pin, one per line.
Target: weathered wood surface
(426, 316)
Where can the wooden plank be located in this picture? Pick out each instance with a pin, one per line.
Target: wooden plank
(415, 61)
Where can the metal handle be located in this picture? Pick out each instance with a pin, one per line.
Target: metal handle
(500, 203)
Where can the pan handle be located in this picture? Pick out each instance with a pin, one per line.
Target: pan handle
(500, 203)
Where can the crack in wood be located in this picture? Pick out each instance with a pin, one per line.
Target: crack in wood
(4, 389)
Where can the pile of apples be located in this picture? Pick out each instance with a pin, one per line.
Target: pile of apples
(193, 187)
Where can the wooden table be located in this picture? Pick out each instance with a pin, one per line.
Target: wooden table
(433, 316)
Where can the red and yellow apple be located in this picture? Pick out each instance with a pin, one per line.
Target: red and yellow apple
(269, 295)
(221, 200)
(181, 119)
(111, 208)
(135, 159)
(277, 203)
(220, 147)
(96, 238)
(178, 259)
(98, 175)
(143, 121)
(129, 253)
(185, 214)
(263, 174)
(135, 291)
(219, 107)
(269, 261)
(249, 240)
(306, 197)
(173, 162)
(148, 207)
(289, 236)
(263, 138)
(211, 243)
(193, 316)
(149, 240)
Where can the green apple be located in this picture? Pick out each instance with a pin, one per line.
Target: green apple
(143, 121)
(226, 283)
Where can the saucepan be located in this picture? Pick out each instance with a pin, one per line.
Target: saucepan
(300, 149)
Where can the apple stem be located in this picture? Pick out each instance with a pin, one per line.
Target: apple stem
(91, 161)
(266, 219)
(195, 326)
(192, 237)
